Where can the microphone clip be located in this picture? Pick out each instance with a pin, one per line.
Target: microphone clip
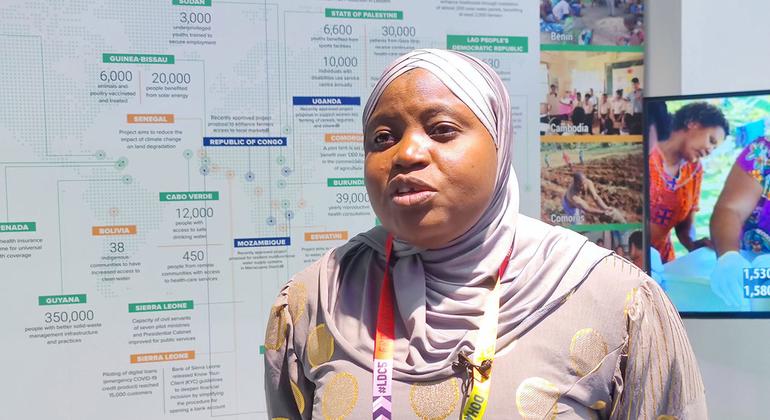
(465, 363)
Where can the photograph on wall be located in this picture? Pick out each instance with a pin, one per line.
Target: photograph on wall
(592, 93)
(709, 214)
(625, 243)
(592, 22)
(591, 183)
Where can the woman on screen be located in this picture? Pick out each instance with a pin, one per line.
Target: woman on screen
(741, 220)
(676, 173)
(458, 306)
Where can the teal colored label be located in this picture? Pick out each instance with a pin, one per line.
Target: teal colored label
(206, 3)
(601, 228)
(189, 196)
(593, 48)
(262, 349)
(137, 58)
(15, 227)
(365, 14)
(756, 283)
(487, 43)
(61, 299)
(345, 182)
(179, 305)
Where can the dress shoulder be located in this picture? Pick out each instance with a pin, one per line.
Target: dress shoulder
(288, 390)
(657, 375)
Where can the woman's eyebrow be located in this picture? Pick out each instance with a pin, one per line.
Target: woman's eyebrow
(381, 119)
(440, 109)
(432, 110)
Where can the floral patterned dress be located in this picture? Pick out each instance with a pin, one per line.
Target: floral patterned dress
(672, 198)
(755, 161)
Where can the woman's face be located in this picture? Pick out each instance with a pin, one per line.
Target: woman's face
(701, 141)
(430, 164)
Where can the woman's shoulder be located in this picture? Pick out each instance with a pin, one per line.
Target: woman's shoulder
(302, 289)
(296, 305)
(616, 274)
(624, 291)
(636, 307)
(335, 257)
(755, 155)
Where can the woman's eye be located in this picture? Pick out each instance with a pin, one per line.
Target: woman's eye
(382, 137)
(444, 130)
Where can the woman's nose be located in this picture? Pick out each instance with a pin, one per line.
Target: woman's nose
(413, 149)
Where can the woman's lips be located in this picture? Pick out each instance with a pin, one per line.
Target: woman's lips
(412, 197)
(410, 191)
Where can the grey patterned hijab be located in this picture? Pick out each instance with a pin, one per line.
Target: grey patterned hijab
(439, 293)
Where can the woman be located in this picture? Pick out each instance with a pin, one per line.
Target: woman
(634, 34)
(566, 106)
(605, 121)
(553, 106)
(590, 109)
(636, 248)
(741, 222)
(620, 251)
(455, 281)
(618, 106)
(676, 173)
(578, 112)
(575, 200)
(546, 11)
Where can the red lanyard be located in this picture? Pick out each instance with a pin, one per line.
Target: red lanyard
(382, 367)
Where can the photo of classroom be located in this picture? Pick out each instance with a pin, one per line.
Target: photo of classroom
(592, 22)
(591, 93)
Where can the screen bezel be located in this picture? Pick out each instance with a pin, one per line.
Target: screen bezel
(646, 198)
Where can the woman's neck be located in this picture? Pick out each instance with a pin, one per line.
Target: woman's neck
(670, 149)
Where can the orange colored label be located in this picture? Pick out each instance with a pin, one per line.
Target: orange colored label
(113, 230)
(341, 235)
(150, 118)
(170, 356)
(343, 138)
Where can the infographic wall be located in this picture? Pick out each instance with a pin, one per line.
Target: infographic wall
(592, 79)
(166, 165)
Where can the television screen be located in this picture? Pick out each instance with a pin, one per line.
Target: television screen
(708, 201)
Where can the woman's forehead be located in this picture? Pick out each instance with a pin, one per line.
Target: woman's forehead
(418, 92)
(417, 81)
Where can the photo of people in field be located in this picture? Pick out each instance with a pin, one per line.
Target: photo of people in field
(592, 22)
(591, 183)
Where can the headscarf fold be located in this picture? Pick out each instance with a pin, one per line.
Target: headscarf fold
(440, 293)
